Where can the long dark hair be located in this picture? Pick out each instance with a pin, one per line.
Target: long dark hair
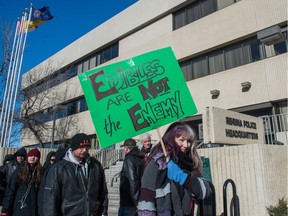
(30, 173)
(178, 129)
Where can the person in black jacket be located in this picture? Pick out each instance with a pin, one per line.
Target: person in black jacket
(76, 185)
(9, 168)
(3, 181)
(20, 197)
(130, 178)
(49, 162)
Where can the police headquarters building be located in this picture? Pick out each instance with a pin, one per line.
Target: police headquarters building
(233, 55)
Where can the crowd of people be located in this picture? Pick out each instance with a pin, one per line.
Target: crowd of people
(164, 179)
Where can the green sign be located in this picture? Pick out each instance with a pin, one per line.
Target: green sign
(137, 95)
(206, 171)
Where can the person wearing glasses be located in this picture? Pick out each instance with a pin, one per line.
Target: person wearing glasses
(50, 160)
(76, 184)
(20, 156)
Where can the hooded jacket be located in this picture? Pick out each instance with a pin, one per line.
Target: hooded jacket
(75, 189)
(3, 181)
(47, 165)
(13, 165)
(130, 177)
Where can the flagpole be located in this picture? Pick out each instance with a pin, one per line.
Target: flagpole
(10, 83)
(6, 86)
(19, 71)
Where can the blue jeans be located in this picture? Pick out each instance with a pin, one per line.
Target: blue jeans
(127, 211)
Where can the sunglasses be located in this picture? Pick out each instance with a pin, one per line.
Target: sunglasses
(53, 160)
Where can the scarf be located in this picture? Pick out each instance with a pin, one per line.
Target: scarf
(185, 162)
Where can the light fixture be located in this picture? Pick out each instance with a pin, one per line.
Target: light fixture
(246, 86)
(271, 35)
(215, 93)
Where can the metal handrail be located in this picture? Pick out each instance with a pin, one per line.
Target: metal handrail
(115, 178)
(107, 157)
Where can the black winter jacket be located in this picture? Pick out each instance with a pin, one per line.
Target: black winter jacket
(20, 199)
(68, 192)
(130, 177)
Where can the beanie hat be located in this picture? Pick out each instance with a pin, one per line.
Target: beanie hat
(34, 152)
(80, 140)
(20, 152)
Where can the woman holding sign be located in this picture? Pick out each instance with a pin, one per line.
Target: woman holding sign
(172, 181)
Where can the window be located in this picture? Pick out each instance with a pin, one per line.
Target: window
(193, 12)
(232, 56)
(92, 62)
(200, 67)
(224, 3)
(187, 70)
(115, 51)
(179, 19)
(66, 74)
(80, 68)
(207, 7)
(82, 105)
(71, 72)
(251, 50)
(197, 10)
(86, 65)
(71, 108)
(216, 61)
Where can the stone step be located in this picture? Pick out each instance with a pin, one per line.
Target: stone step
(114, 202)
(113, 196)
(113, 191)
(113, 209)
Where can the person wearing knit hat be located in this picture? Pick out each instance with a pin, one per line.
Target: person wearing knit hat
(80, 145)
(34, 152)
(76, 184)
(22, 190)
(33, 156)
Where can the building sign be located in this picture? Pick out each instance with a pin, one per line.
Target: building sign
(137, 95)
(228, 127)
(200, 131)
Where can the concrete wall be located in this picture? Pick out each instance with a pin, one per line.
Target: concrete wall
(259, 172)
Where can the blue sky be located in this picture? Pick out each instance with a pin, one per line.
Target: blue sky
(72, 19)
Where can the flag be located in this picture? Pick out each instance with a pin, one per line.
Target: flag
(34, 23)
(32, 26)
(41, 14)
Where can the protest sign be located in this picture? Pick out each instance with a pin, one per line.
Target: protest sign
(137, 95)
